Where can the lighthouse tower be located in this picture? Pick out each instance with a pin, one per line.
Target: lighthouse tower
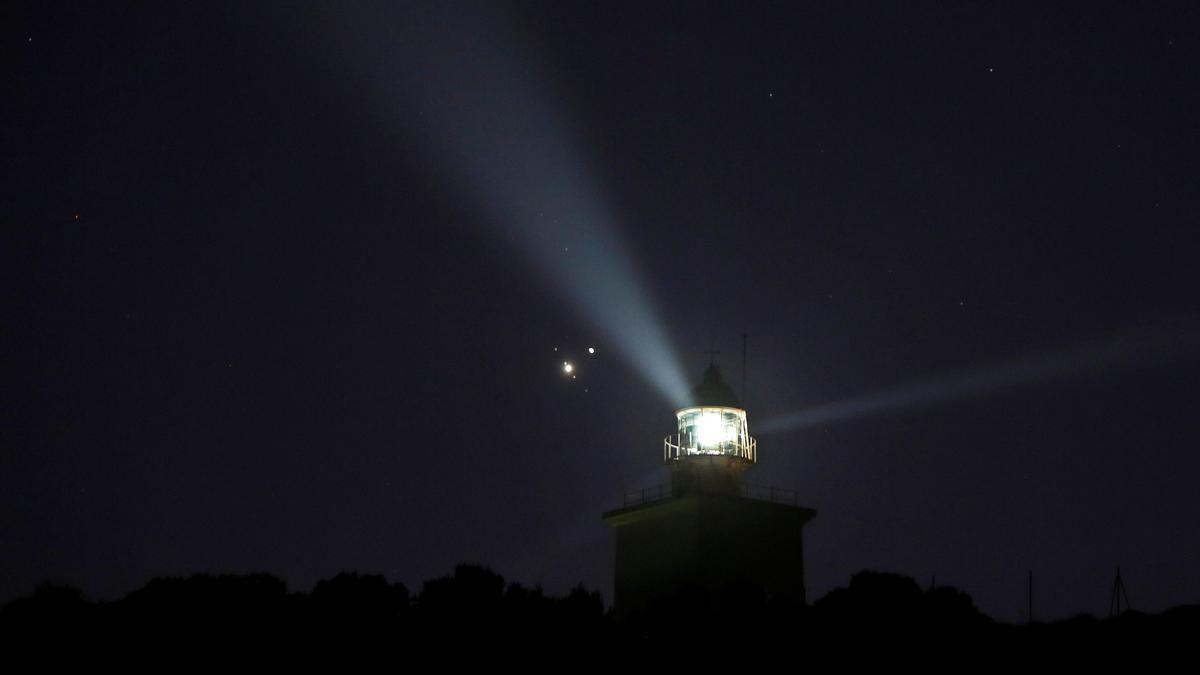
(710, 539)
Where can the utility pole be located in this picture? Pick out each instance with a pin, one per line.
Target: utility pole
(1118, 594)
(1029, 615)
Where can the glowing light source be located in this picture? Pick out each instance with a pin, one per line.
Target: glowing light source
(591, 350)
(709, 430)
(567, 367)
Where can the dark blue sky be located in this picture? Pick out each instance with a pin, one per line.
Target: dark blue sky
(269, 301)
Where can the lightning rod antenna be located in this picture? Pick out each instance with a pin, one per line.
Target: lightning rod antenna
(744, 402)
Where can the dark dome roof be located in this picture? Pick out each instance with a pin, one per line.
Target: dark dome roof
(713, 390)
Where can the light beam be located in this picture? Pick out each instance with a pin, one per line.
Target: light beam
(1119, 352)
(458, 78)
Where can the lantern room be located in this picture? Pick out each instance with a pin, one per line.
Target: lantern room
(714, 426)
(710, 430)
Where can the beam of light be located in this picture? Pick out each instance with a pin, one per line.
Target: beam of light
(1115, 353)
(457, 78)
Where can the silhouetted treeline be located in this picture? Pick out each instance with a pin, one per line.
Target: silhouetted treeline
(475, 606)
(474, 602)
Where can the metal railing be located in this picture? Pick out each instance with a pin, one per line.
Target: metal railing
(762, 493)
(647, 495)
(770, 493)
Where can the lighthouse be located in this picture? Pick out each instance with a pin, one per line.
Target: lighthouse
(708, 539)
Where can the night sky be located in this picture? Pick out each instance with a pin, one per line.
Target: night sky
(282, 286)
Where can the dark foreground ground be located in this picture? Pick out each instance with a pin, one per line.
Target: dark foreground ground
(475, 614)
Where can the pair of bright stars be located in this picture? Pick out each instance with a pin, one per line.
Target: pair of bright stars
(568, 368)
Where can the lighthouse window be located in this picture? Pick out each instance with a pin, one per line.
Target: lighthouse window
(711, 430)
